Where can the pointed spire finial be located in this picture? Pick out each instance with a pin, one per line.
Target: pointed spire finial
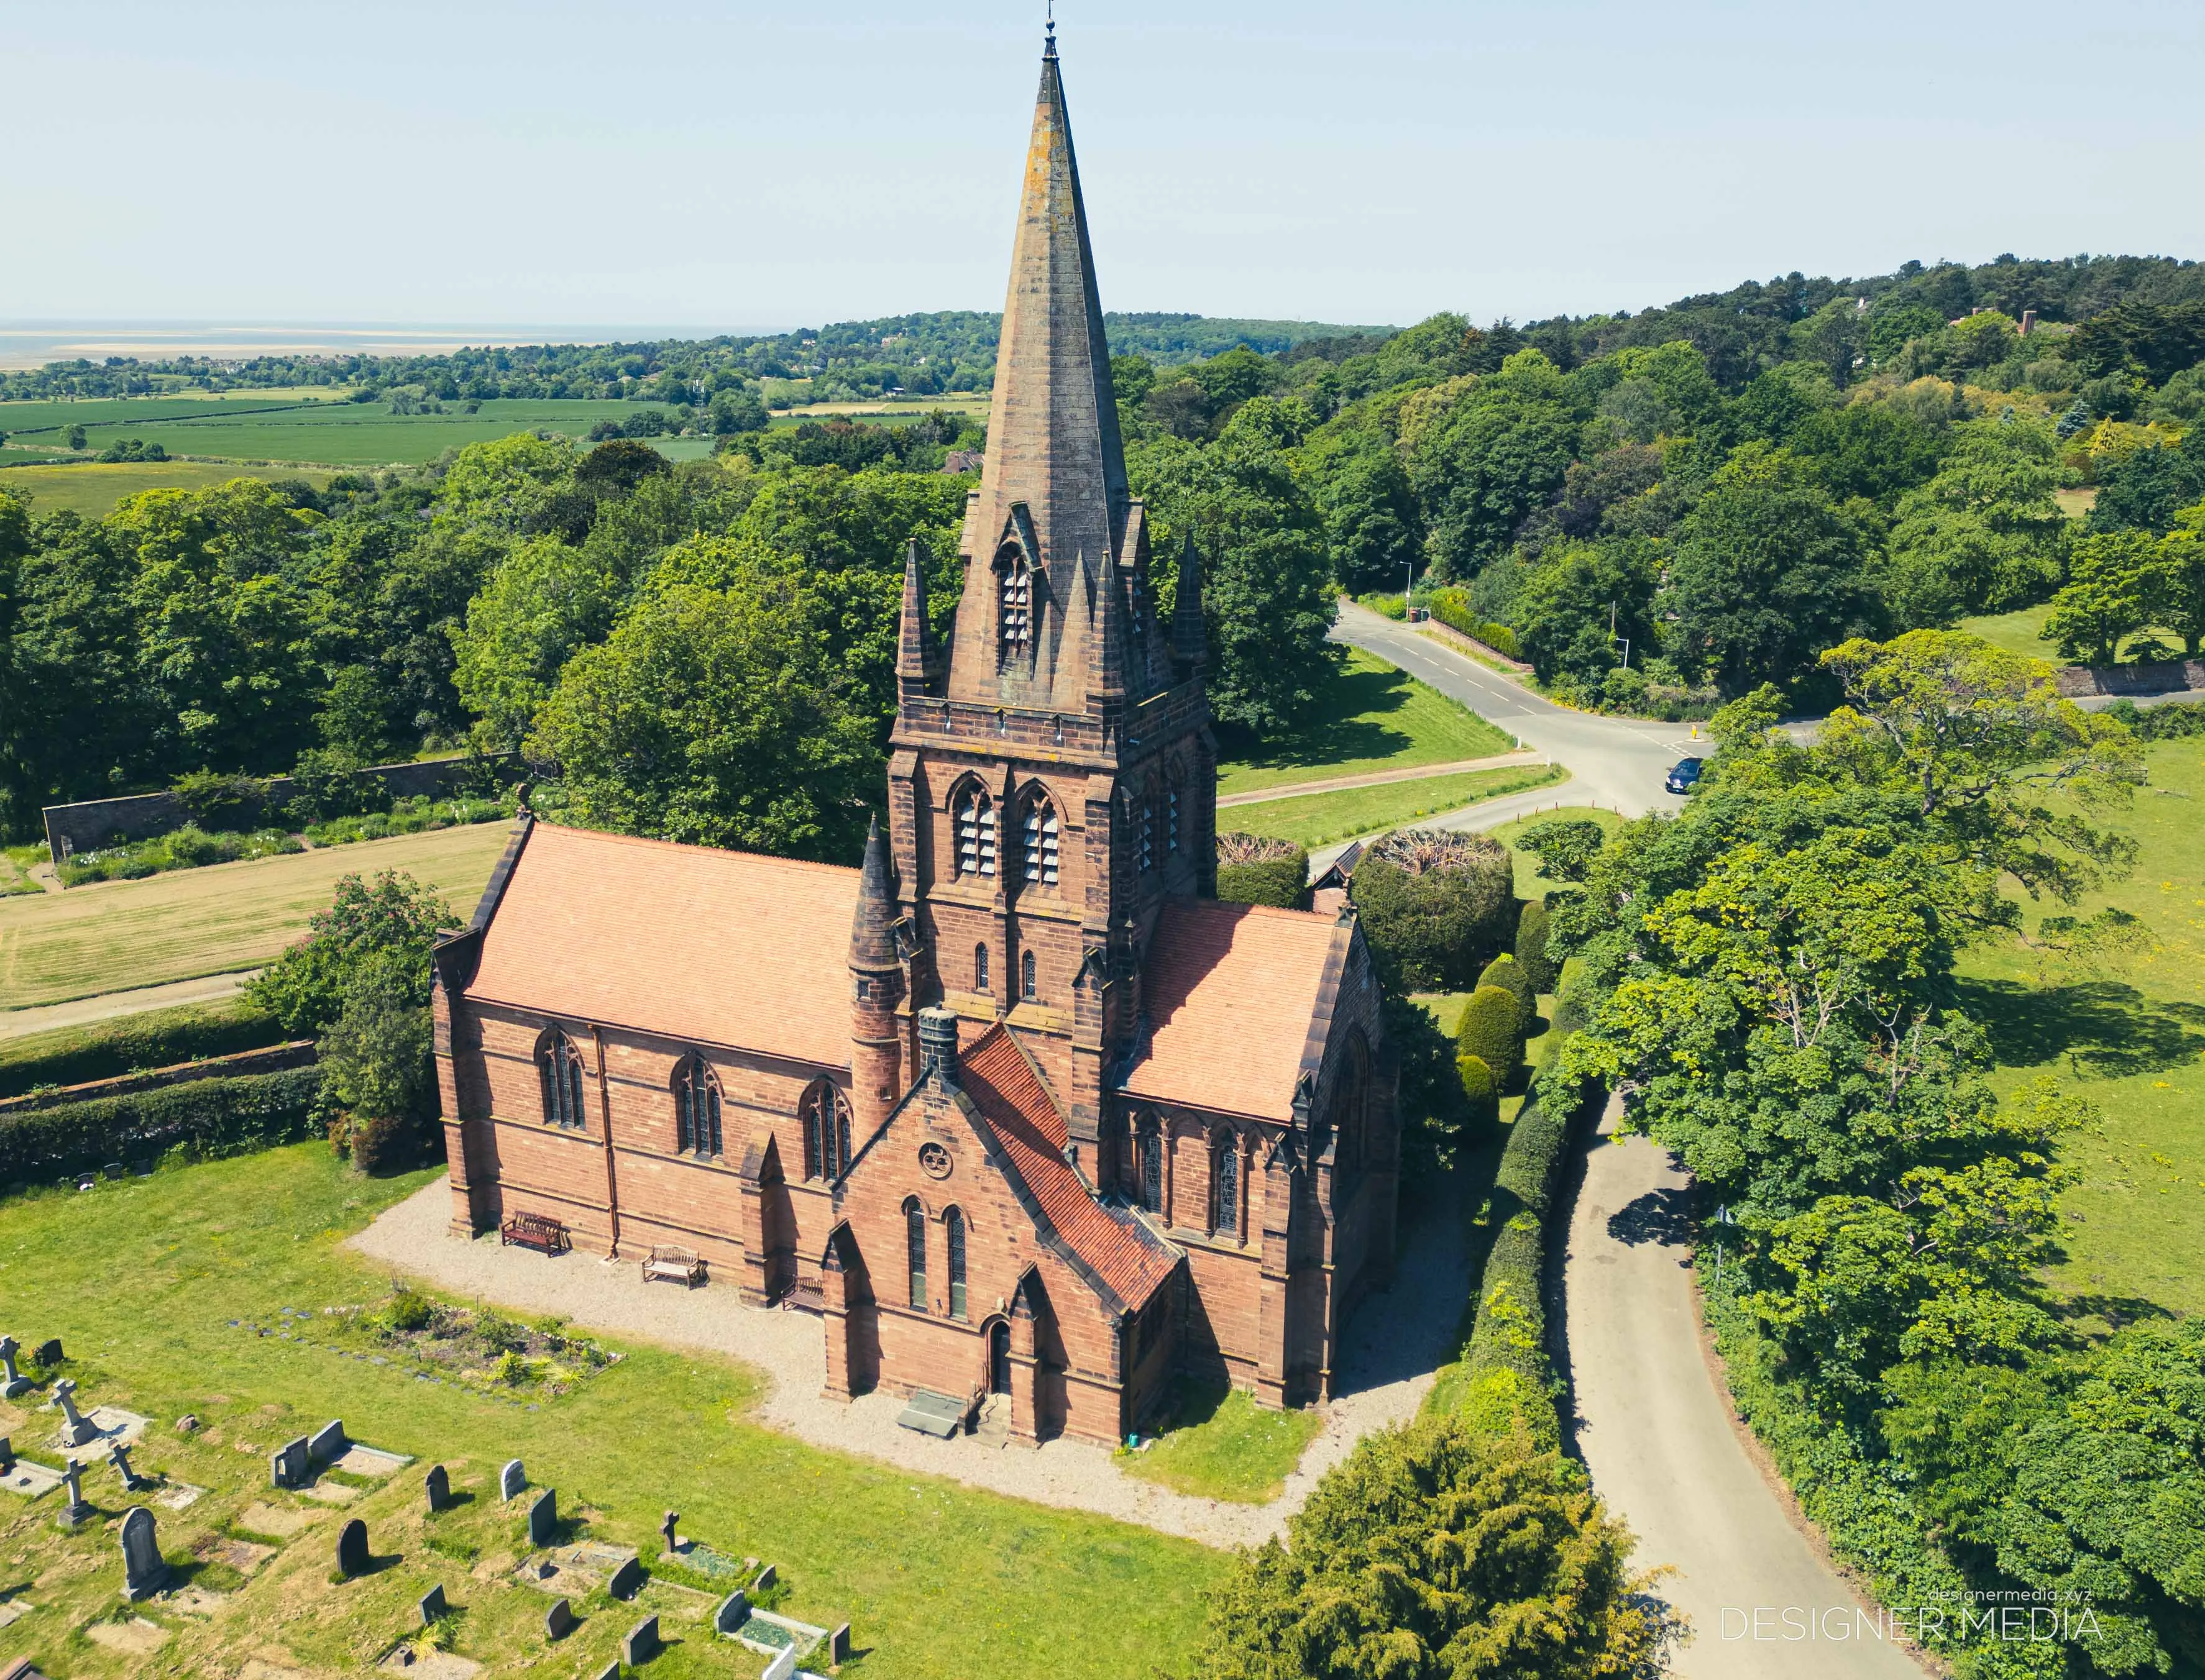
(872, 937)
(1049, 51)
(1188, 639)
(918, 660)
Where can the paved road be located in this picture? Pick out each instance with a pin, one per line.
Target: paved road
(1658, 1437)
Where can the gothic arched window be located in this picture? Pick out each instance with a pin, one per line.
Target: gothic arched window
(1151, 1144)
(952, 1230)
(826, 1116)
(1172, 805)
(979, 968)
(974, 814)
(1149, 825)
(696, 1108)
(559, 1071)
(1017, 603)
(914, 1228)
(1029, 978)
(1225, 1188)
(1039, 830)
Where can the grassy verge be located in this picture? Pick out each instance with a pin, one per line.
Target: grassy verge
(1370, 716)
(1220, 1445)
(17, 863)
(1318, 819)
(1530, 882)
(936, 1579)
(114, 935)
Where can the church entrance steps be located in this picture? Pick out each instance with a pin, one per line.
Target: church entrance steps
(1394, 1343)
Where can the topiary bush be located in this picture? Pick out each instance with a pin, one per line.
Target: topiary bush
(1480, 1090)
(1506, 972)
(1256, 869)
(1531, 925)
(1433, 906)
(1489, 1030)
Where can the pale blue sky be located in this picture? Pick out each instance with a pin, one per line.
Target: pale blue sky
(717, 164)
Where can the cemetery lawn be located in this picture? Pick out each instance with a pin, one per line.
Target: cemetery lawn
(1220, 1444)
(141, 1278)
(91, 490)
(2128, 1033)
(1318, 819)
(122, 934)
(1368, 715)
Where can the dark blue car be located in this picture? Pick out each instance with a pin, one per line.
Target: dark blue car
(1683, 774)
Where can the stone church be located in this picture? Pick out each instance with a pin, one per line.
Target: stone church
(1017, 1108)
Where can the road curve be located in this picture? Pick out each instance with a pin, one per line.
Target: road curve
(1656, 1433)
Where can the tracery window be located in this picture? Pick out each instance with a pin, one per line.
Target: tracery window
(953, 1227)
(1029, 978)
(979, 968)
(1041, 844)
(974, 818)
(825, 1112)
(559, 1071)
(1151, 1146)
(696, 1108)
(1225, 1191)
(914, 1226)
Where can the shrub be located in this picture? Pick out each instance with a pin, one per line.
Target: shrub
(106, 1049)
(407, 1310)
(1393, 606)
(214, 800)
(1434, 904)
(206, 1116)
(1479, 1090)
(1506, 972)
(1511, 1384)
(1490, 1030)
(1255, 869)
(1452, 607)
(1532, 946)
(394, 917)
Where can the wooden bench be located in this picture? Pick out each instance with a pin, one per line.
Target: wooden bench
(539, 1231)
(669, 1264)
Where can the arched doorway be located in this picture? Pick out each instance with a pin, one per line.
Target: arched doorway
(999, 1357)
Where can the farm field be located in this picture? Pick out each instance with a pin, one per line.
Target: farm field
(1369, 715)
(216, 920)
(92, 487)
(935, 1580)
(2129, 1033)
(41, 419)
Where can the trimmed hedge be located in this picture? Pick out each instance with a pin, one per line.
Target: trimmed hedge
(1451, 607)
(158, 1038)
(206, 1116)
(1506, 972)
(1479, 1090)
(1509, 1377)
(1430, 927)
(1254, 868)
(1531, 923)
(1492, 1030)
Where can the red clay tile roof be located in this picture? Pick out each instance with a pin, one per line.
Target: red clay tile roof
(1230, 991)
(995, 1073)
(720, 948)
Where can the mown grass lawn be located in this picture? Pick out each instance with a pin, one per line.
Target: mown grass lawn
(1220, 1445)
(92, 488)
(227, 917)
(1318, 819)
(141, 1279)
(1369, 715)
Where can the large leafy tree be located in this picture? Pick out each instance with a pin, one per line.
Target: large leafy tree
(1496, 454)
(371, 931)
(1985, 533)
(1583, 603)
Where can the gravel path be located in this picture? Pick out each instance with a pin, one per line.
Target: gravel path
(45, 1016)
(1394, 1343)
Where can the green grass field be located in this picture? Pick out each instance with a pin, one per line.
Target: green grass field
(1530, 882)
(216, 920)
(2019, 631)
(2129, 1033)
(141, 1278)
(1220, 1444)
(91, 489)
(1319, 819)
(1369, 715)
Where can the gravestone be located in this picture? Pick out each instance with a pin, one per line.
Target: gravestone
(327, 1442)
(543, 1518)
(352, 1548)
(673, 1545)
(7, 1455)
(734, 1610)
(433, 1604)
(766, 1577)
(439, 1486)
(119, 1456)
(48, 1352)
(559, 1620)
(838, 1646)
(511, 1480)
(641, 1644)
(144, 1574)
(76, 1509)
(609, 1672)
(12, 1381)
(628, 1579)
(76, 1427)
(289, 1465)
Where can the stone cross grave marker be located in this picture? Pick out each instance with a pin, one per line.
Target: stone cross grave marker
(543, 1518)
(641, 1644)
(667, 1528)
(433, 1604)
(119, 1456)
(627, 1580)
(439, 1486)
(328, 1444)
(559, 1620)
(76, 1427)
(288, 1466)
(352, 1548)
(734, 1610)
(76, 1510)
(144, 1574)
(12, 1381)
(511, 1480)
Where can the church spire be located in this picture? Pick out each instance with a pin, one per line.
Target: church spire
(1190, 642)
(918, 660)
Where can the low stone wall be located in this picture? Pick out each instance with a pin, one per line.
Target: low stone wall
(91, 823)
(298, 1052)
(2168, 677)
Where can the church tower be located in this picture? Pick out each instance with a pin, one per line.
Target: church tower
(1053, 779)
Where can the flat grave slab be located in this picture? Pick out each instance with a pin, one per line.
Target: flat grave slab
(370, 1461)
(137, 1637)
(329, 1492)
(281, 1521)
(30, 1480)
(430, 1666)
(195, 1601)
(574, 1570)
(696, 1555)
(179, 1496)
(13, 1609)
(241, 1555)
(770, 1634)
(115, 1425)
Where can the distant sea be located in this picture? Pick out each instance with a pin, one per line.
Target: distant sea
(34, 343)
